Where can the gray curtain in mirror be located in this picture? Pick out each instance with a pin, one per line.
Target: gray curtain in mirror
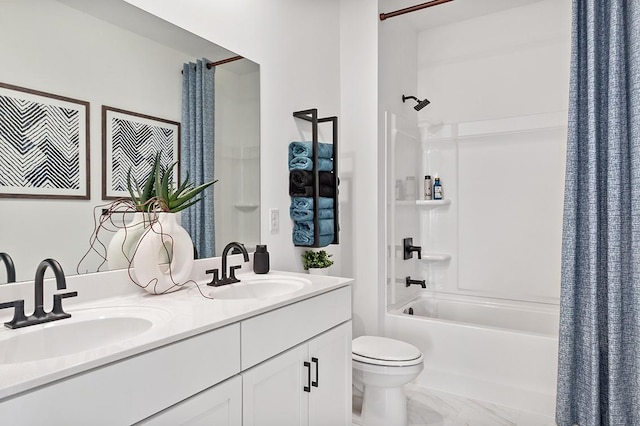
(599, 348)
(197, 151)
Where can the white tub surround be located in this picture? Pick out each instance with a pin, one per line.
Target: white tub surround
(499, 352)
(195, 346)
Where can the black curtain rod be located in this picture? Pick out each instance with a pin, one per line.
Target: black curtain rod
(384, 16)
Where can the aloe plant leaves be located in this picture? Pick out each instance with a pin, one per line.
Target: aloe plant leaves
(159, 190)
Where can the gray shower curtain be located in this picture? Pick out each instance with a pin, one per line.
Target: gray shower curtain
(599, 351)
(197, 151)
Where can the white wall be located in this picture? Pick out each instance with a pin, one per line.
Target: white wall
(360, 196)
(496, 133)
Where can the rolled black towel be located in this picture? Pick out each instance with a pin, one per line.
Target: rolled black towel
(301, 178)
(301, 184)
(326, 178)
(327, 184)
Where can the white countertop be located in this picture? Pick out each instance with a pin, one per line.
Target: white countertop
(185, 313)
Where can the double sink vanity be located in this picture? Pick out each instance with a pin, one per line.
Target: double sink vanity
(271, 349)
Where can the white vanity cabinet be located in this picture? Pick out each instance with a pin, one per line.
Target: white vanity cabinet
(307, 385)
(127, 391)
(307, 377)
(249, 372)
(220, 405)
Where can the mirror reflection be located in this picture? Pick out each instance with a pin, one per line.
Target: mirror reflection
(108, 52)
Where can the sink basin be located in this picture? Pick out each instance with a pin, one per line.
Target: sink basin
(259, 287)
(87, 329)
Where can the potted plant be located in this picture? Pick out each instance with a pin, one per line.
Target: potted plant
(316, 262)
(154, 238)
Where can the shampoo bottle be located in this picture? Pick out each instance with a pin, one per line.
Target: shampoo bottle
(428, 194)
(437, 189)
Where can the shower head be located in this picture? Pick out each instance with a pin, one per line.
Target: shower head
(421, 104)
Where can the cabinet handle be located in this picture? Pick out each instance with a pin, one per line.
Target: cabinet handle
(307, 365)
(315, 360)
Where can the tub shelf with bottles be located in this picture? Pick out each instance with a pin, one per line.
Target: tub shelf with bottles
(426, 204)
(430, 204)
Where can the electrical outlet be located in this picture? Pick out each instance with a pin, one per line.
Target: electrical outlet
(274, 220)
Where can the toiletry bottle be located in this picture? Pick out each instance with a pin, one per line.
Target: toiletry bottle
(437, 189)
(427, 188)
(261, 260)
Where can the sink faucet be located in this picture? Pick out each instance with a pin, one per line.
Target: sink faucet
(61, 284)
(11, 269)
(39, 315)
(224, 280)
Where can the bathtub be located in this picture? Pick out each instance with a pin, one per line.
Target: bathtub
(502, 352)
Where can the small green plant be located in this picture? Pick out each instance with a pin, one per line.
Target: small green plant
(159, 192)
(316, 259)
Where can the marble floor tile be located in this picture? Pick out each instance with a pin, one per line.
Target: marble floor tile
(427, 407)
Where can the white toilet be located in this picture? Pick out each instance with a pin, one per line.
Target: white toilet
(383, 366)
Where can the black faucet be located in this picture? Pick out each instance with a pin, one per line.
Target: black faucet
(11, 269)
(409, 248)
(224, 280)
(39, 315)
(408, 281)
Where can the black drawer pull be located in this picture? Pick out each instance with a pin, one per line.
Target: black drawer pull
(308, 367)
(315, 360)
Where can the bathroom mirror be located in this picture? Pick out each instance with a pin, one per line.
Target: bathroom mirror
(108, 52)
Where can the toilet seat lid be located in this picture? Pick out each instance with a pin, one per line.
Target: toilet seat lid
(376, 348)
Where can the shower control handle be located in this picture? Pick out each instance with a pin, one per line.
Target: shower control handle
(409, 248)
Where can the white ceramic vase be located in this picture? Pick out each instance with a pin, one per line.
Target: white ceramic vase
(318, 271)
(165, 237)
(123, 245)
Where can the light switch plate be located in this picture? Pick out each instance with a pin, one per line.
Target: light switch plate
(274, 220)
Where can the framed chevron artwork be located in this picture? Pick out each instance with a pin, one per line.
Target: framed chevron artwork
(130, 141)
(44, 145)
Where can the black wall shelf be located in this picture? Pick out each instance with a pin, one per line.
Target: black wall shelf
(311, 115)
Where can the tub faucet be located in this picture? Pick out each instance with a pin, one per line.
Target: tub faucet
(8, 264)
(408, 281)
(409, 248)
(39, 315)
(224, 280)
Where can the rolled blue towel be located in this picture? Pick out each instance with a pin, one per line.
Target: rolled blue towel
(306, 163)
(326, 226)
(306, 203)
(307, 214)
(325, 214)
(305, 149)
(302, 238)
(325, 240)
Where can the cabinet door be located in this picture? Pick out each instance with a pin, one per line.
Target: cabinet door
(330, 355)
(272, 392)
(216, 406)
